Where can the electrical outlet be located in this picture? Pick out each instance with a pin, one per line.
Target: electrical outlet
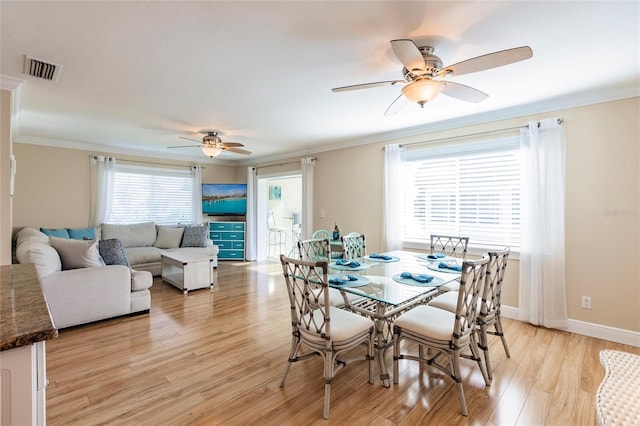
(586, 302)
(321, 213)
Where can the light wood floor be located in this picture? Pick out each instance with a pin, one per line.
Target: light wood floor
(216, 357)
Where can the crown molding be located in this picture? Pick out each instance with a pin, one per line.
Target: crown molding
(14, 85)
(110, 149)
(571, 101)
(543, 107)
(10, 83)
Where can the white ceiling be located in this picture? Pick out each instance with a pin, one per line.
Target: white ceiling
(138, 75)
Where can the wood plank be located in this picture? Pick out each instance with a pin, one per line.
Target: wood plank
(217, 357)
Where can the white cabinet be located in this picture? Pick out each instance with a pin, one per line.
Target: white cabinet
(22, 385)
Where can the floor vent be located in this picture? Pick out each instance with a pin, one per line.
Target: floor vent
(41, 69)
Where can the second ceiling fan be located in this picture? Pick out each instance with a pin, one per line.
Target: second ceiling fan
(422, 71)
(212, 145)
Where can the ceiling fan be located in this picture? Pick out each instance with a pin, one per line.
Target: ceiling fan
(422, 71)
(212, 145)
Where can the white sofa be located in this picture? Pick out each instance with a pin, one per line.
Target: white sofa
(144, 242)
(87, 294)
(84, 295)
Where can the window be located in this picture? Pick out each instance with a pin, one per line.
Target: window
(470, 189)
(143, 194)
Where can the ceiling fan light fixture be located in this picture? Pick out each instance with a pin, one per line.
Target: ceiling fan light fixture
(422, 90)
(211, 151)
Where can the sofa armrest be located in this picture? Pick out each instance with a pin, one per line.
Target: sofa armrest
(141, 280)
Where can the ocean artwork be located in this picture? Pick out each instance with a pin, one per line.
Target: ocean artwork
(224, 199)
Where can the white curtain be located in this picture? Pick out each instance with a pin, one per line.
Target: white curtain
(251, 252)
(308, 165)
(542, 299)
(102, 181)
(196, 174)
(392, 197)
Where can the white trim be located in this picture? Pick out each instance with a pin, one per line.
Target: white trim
(14, 85)
(111, 149)
(542, 107)
(9, 83)
(598, 331)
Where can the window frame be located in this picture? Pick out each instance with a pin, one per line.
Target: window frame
(157, 173)
(458, 150)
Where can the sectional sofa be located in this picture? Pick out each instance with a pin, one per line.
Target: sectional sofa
(81, 286)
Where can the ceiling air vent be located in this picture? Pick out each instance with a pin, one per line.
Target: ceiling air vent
(41, 69)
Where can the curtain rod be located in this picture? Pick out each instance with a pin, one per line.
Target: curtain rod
(560, 121)
(280, 164)
(146, 162)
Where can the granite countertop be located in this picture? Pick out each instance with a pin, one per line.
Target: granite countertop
(24, 315)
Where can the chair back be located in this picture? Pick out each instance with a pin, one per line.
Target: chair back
(449, 245)
(271, 221)
(353, 247)
(320, 234)
(472, 282)
(307, 286)
(493, 286)
(317, 250)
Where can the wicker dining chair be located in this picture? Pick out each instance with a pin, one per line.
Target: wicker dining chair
(320, 234)
(445, 334)
(314, 250)
(353, 246)
(450, 245)
(321, 328)
(320, 250)
(489, 305)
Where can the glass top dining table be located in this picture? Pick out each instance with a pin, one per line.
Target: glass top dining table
(384, 294)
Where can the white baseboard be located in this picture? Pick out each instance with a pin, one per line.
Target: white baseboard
(613, 334)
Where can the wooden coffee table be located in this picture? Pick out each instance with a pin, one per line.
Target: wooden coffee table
(187, 271)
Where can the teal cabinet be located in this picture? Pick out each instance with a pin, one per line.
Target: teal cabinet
(229, 237)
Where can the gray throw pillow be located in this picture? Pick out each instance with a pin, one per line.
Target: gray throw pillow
(195, 236)
(112, 252)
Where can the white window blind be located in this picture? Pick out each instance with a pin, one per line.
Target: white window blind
(470, 189)
(143, 194)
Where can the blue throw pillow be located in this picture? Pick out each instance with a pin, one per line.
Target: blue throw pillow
(82, 233)
(112, 252)
(60, 233)
(195, 236)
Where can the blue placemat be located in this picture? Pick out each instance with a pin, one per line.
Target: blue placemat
(435, 266)
(377, 259)
(348, 267)
(435, 282)
(362, 280)
(439, 259)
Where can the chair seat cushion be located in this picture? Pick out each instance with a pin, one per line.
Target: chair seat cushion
(336, 298)
(345, 326)
(451, 286)
(447, 301)
(428, 321)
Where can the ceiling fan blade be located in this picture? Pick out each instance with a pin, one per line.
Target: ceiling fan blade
(189, 139)
(232, 144)
(409, 54)
(462, 92)
(488, 61)
(367, 85)
(236, 150)
(395, 107)
(186, 146)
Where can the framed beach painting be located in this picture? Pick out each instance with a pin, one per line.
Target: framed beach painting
(275, 192)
